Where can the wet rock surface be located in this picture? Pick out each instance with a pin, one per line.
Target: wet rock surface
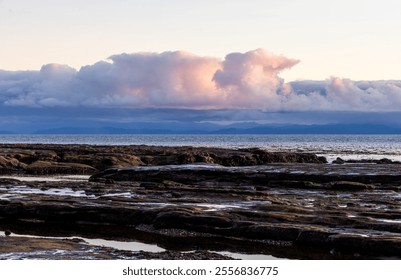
(287, 209)
(339, 160)
(22, 248)
(86, 159)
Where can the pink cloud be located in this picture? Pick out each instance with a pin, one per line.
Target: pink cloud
(169, 80)
(183, 80)
(251, 79)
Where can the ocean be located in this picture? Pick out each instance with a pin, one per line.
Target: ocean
(330, 146)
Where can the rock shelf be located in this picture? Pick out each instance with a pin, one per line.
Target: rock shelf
(203, 200)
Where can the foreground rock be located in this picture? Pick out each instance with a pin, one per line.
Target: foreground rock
(86, 159)
(23, 248)
(375, 161)
(288, 210)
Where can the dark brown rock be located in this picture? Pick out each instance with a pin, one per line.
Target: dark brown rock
(338, 161)
(25, 157)
(45, 167)
(347, 185)
(281, 204)
(24, 248)
(377, 161)
(176, 219)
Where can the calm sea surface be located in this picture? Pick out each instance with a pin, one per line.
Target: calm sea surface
(331, 146)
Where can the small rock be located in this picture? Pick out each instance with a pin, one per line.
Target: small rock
(385, 161)
(7, 232)
(338, 161)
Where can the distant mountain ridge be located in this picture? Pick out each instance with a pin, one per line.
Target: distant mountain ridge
(155, 128)
(88, 120)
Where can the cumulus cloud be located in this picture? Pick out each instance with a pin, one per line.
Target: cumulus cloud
(169, 80)
(251, 79)
(48, 87)
(336, 94)
(183, 80)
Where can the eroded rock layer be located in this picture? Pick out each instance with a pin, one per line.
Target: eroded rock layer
(293, 208)
(85, 159)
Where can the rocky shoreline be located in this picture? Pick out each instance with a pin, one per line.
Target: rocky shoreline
(202, 200)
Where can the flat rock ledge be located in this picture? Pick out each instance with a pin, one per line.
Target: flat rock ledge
(24, 248)
(42, 159)
(290, 209)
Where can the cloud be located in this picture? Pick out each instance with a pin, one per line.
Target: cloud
(251, 79)
(168, 80)
(48, 87)
(181, 80)
(336, 94)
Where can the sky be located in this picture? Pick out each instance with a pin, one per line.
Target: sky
(345, 38)
(259, 57)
